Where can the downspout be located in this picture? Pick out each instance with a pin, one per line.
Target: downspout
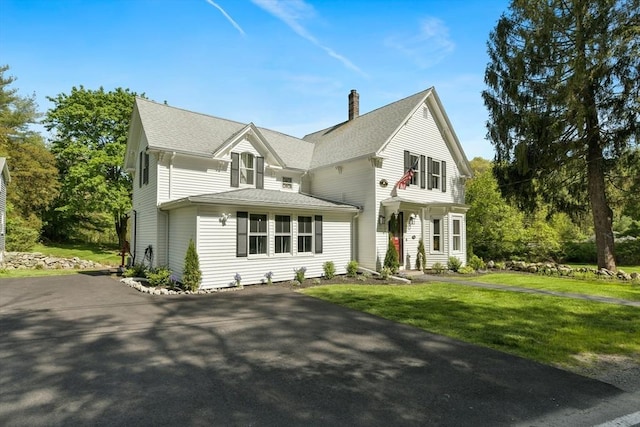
(135, 235)
(354, 236)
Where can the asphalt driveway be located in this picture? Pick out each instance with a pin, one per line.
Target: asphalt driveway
(83, 350)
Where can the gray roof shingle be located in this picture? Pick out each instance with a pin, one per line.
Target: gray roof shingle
(262, 198)
(364, 135)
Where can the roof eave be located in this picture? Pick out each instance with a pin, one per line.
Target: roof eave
(196, 200)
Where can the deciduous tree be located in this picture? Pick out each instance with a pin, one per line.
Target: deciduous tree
(563, 83)
(90, 135)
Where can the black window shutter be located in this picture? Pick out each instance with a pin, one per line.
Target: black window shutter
(141, 169)
(318, 234)
(145, 179)
(429, 161)
(235, 169)
(259, 172)
(443, 172)
(407, 163)
(241, 234)
(423, 172)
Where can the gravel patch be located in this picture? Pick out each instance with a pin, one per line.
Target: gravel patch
(620, 371)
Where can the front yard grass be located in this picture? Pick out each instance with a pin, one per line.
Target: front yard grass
(103, 254)
(16, 274)
(544, 328)
(600, 287)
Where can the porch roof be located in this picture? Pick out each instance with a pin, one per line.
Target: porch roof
(401, 203)
(261, 198)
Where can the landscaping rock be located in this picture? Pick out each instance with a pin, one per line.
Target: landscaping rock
(37, 260)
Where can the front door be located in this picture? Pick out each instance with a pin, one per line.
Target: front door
(396, 228)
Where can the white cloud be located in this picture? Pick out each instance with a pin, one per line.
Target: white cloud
(428, 47)
(226, 15)
(292, 12)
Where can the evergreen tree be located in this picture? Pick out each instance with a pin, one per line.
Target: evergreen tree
(191, 275)
(563, 83)
(391, 258)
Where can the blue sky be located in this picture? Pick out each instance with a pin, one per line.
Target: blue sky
(287, 65)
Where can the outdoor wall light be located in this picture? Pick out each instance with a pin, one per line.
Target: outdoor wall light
(224, 217)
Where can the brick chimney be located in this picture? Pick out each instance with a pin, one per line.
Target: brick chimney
(354, 104)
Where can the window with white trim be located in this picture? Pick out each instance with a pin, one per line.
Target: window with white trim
(436, 235)
(435, 174)
(305, 234)
(287, 182)
(457, 235)
(283, 234)
(258, 234)
(247, 169)
(415, 164)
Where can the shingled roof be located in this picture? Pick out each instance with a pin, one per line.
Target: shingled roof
(364, 135)
(173, 129)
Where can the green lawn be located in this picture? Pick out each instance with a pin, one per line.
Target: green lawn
(103, 254)
(539, 327)
(625, 268)
(605, 288)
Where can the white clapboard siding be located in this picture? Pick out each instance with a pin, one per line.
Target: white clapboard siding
(352, 182)
(182, 228)
(3, 218)
(144, 204)
(217, 248)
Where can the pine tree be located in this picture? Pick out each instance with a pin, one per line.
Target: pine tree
(191, 276)
(391, 258)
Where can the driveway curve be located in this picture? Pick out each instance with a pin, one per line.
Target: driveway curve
(87, 350)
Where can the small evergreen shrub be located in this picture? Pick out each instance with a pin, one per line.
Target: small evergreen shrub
(421, 257)
(352, 268)
(438, 268)
(238, 280)
(454, 264)
(329, 269)
(476, 263)
(191, 275)
(269, 277)
(299, 274)
(385, 273)
(391, 260)
(160, 276)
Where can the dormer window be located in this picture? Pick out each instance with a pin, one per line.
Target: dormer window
(247, 168)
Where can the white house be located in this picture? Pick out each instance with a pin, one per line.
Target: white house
(5, 179)
(256, 201)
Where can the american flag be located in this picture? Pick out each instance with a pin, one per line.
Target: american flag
(406, 178)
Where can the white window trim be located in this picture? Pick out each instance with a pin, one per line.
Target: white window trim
(431, 235)
(462, 243)
(309, 234)
(436, 175)
(277, 234)
(416, 174)
(242, 167)
(253, 234)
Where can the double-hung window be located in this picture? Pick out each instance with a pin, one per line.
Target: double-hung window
(457, 235)
(435, 174)
(436, 235)
(257, 234)
(415, 165)
(247, 168)
(283, 234)
(305, 234)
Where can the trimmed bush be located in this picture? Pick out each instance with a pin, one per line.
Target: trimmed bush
(160, 276)
(467, 269)
(476, 263)
(438, 268)
(299, 274)
(329, 269)
(454, 264)
(391, 258)
(136, 270)
(352, 268)
(191, 275)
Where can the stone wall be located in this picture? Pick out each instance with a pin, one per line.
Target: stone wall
(38, 261)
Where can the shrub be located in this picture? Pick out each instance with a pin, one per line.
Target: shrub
(385, 273)
(476, 263)
(421, 257)
(329, 269)
(20, 237)
(299, 274)
(238, 280)
(628, 252)
(467, 269)
(136, 270)
(454, 264)
(269, 275)
(352, 268)
(391, 258)
(160, 276)
(438, 268)
(191, 276)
